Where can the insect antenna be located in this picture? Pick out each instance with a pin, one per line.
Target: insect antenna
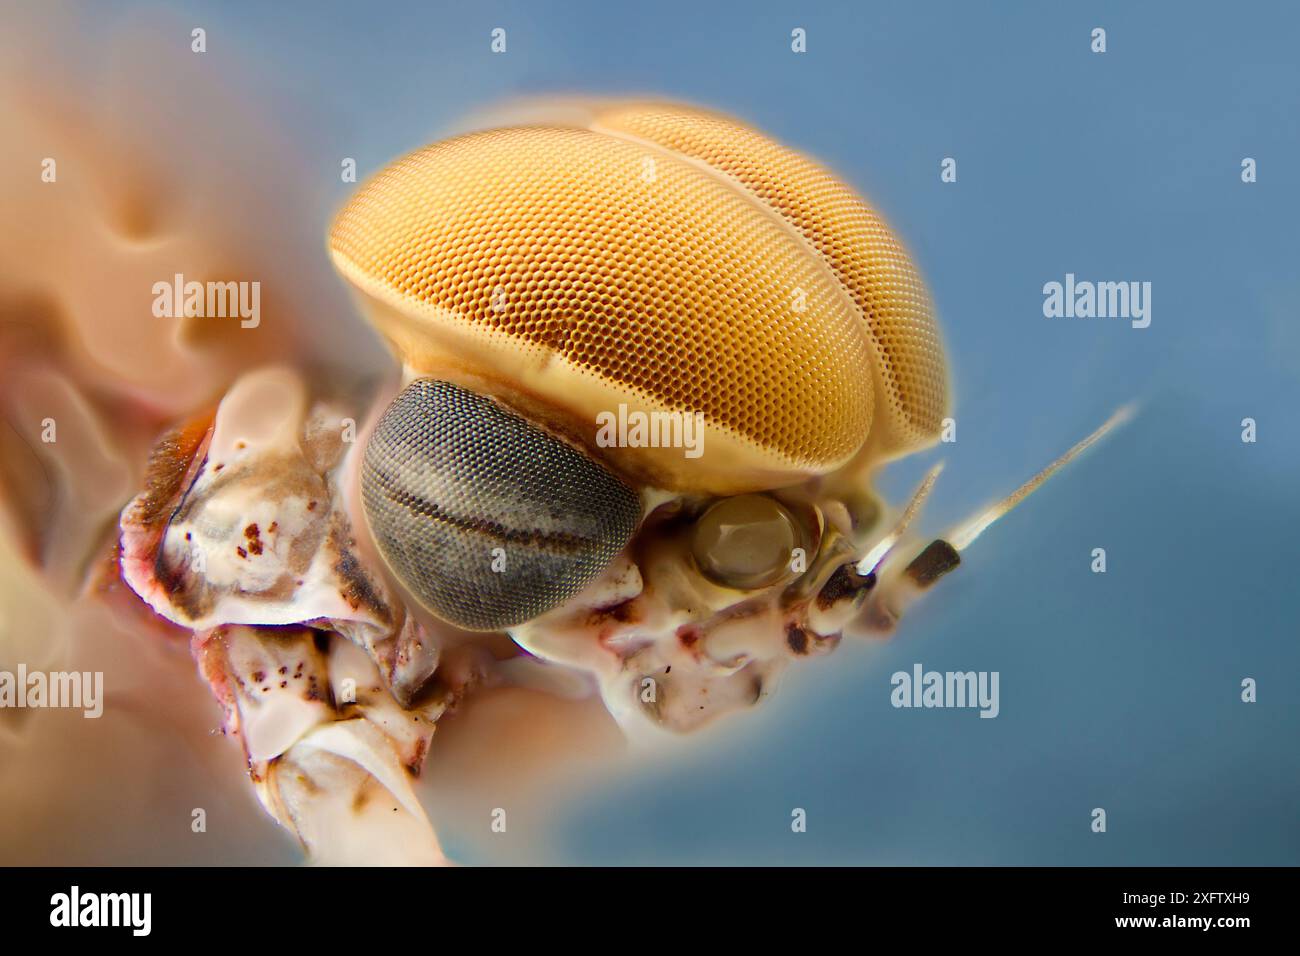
(944, 554)
(872, 560)
(961, 537)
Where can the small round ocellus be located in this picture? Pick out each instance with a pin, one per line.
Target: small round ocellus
(651, 263)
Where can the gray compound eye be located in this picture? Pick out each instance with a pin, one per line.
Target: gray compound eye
(488, 520)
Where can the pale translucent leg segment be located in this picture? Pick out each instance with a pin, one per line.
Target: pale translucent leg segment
(330, 752)
(348, 802)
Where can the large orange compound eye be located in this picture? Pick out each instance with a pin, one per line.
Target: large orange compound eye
(666, 258)
(487, 519)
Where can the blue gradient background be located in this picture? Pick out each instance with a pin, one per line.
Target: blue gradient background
(1118, 690)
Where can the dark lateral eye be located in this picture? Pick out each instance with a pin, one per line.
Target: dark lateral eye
(487, 519)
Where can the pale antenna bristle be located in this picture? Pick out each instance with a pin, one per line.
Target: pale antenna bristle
(882, 547)
(961, 536)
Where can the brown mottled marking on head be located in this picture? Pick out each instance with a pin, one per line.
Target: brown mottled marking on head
(797, 638)
(358, 589)
(417, 756)
(188, 592)
(170, 463)
(844, 584)
(624, 612)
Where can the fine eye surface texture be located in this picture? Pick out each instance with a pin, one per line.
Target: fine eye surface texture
(488, 520)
